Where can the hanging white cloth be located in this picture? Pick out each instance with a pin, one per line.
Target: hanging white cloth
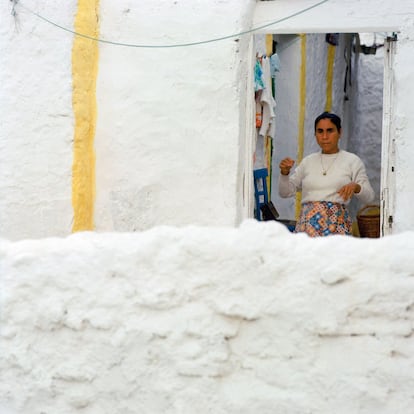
(267, 101)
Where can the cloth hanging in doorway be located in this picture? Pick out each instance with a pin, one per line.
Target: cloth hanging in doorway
(258, 77)
(274, 65)
(267, 101)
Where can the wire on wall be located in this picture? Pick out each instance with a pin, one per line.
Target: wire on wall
(217, 39)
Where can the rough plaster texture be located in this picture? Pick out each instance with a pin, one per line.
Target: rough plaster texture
(36, 122)
(169, 131)
(247, 320)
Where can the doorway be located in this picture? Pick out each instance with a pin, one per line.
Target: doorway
(345, 73)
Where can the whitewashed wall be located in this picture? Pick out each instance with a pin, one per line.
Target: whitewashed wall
(169, 130)
(36, 121)
(366, 116)
(248, 320)
(186, 320)
(171, 141)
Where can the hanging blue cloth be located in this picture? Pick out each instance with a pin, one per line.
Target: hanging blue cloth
(274, 65)
(258, 77)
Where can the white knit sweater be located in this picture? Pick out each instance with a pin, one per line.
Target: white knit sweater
(341, 169)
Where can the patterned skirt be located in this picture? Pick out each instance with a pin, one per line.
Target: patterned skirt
(323, 218)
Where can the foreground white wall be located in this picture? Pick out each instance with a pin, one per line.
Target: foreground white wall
(248, 320)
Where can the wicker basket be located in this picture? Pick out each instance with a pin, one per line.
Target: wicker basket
(369, 221)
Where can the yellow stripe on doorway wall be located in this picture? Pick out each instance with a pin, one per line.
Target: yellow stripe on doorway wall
(84, 74)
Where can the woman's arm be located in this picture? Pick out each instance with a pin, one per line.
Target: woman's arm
(287, 185)
(363, 190)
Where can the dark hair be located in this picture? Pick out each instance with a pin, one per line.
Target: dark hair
(333, 117)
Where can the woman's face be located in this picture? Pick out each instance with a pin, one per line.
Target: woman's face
(327, 136)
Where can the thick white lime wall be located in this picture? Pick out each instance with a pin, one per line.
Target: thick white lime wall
(36, 121)
(171, 133)
(195, 320)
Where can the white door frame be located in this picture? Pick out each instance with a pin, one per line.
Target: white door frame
(388, 140)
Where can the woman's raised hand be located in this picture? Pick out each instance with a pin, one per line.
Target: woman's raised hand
(285, 165)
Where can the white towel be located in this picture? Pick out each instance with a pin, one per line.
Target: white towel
(267, 101)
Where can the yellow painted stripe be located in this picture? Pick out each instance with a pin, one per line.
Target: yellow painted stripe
(84, 74)
(329, 76)
(268, 143)
(302, 109)
(268, 158)
(269, 44)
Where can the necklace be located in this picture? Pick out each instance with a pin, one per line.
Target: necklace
(325, 170)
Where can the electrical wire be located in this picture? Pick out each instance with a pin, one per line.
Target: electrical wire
(217, 39)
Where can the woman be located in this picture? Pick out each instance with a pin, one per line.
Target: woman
(328, 181)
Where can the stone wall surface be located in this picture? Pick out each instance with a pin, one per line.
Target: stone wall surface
(226, 320)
